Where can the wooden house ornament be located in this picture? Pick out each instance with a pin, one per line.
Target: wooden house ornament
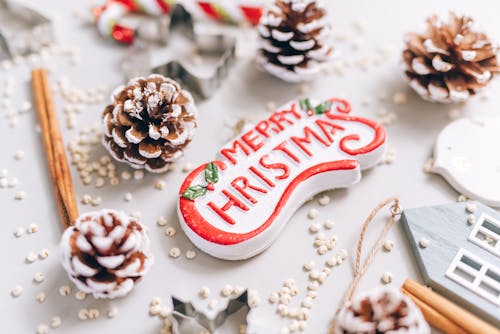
(457, 249)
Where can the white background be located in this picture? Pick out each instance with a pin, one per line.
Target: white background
(244, 94)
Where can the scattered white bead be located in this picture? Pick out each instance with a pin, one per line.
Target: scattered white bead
(324, 200)
(112, 312)
(424, 242)
(308, 266)
(307, 302)
(41, 297)
(191, 254)
(127, 197)
(80, 295)
(31, 257)
(313, 286)
(65, 290)
(273, 298)
(39, 277)
(471, 219)
(16, 291)
(19, 155)
(159, 185)
(399, 98)
(204, 292)
(138, 175)
(227, 290)
(170, 231)
(328, 224)
(155, 301)
(314, 228)
(461, 198)
(322, 250)
(212, 304)
(471, 207)
(174, 252)
(387, 277)
(12, 182)
(20, 195)
(55, 322)
(343, 254)
(388, 245)
(19, 232)
(83, 314)
(93, 313)
(313, 213)
(43, 254)
(32, 228)
(331, 262)
(42, 329)
(187, 167)
(162, 221)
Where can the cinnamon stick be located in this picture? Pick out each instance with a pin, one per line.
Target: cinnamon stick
(434, 318)
(467, 321)
(54, 148)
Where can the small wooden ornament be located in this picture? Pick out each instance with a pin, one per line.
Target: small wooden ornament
(460, 260)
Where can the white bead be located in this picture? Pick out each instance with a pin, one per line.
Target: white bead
(32, 228)
(314, 227)
(39, 277)
(204, 292)
(227, 290)
(170, 231)
(127, 197)
(41, 297)
(19, 231)
(313, 214)
(42, 329)
(471, 219)
(307, 302)
(328, 224)
(65, 290)
(471, 207)
(112, 312)
(284, 291)
(331, 262)
(43, 254)
(162, 221)
(387, 277)
(324, 200)
(424, 242)
(309, 265)
(93, 313)
(273, 298)
(16, 291)
(343, 254)
(80, 295)
(31, 257)
(191, 254)
(212, 304)
(19, 155)
(322, 250)
(83, 314)
(55, 322)
(174, 252)
(388, 245)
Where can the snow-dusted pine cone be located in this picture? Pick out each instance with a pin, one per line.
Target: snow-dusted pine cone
(381, 311)
(292, 39)
(450, 61)
(149, 123)
(105, 253)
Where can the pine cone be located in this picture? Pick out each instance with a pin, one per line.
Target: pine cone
(105, 253)
(149, 123)
(292, 33)
(450, 61)
(381, 311)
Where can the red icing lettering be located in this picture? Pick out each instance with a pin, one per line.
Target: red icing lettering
(228, 152)
(262, 128)
(264, 178)
(308, 133)
(276, 166)
(241, 183)
(328, 128)
(232, 201)
(282, 147)
(280, 117)
(252, 140)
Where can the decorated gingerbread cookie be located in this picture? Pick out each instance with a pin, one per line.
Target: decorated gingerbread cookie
(234, 207)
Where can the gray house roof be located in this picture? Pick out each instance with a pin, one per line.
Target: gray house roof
(462, 259)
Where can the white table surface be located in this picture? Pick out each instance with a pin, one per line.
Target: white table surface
(244, 94)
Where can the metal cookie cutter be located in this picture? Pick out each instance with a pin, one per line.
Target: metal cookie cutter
(220, 47)
(187, 320)
(23, 30)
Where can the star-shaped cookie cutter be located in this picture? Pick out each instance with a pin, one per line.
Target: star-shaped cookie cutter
(141, 62)
(23, 30)
(187, 320)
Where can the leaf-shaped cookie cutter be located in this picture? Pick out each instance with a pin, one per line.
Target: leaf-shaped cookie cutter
(140, 61)
(23, 30)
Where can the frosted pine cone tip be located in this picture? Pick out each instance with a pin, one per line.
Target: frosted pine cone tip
(450, 61)
(292, 39)
(106, 253)
(149, 123)
(381, 311)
